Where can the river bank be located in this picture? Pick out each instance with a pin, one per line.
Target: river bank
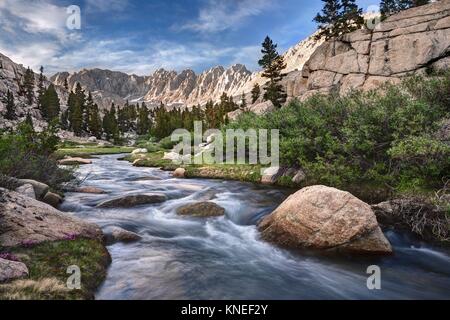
(181, 257)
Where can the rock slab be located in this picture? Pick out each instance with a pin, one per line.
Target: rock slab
(25, 221)
(201, 209)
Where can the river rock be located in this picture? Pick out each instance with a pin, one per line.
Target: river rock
(179, 173)
(117, 234)
(92, 190)
(12, 270)
(139, 151)
(299, 177)
(74, 161)
(26, 190)
(133, 201)
(271, 175)
(24, 220)
(52, 199)
(138, 162)
(92, 139)
(201, 209)
(40, 189)
(321, 217)
(173, 156)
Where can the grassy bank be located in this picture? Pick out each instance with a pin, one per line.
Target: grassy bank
(48, 263)
(88, 151)
(244, 173)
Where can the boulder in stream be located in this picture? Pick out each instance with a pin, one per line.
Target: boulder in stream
(179, 173)
(201, 209)
(117, 234)
(133, 201)
(52, 199)
(92, 190)
(74, 161)
(321, 217)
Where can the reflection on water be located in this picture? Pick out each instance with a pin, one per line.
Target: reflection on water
(223, 258)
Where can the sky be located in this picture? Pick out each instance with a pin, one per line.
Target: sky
(140, 36)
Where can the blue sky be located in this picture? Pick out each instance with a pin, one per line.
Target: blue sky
(137, 36)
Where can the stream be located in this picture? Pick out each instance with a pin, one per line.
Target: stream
(224, 258)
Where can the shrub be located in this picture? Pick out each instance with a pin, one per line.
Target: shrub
(384, 138)
(167, 143)
(28, 154)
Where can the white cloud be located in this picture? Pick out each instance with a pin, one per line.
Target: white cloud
(32, 32)
(33, 17)
(222, 15)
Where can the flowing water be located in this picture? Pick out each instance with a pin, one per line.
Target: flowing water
(224, 258)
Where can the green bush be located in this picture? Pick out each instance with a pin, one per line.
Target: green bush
(27, 154)
(167, 143)
(382, 138)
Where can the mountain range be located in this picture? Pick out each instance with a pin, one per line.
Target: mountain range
(178, 88)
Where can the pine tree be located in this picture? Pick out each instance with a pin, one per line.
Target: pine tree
(29, 121)
(256, 92)
(351, 17)
(243, 102)
(388, 7)
(95, 125)
(106, 126)
(28, 85)
(143, 124)
(110, 124)
(50, 103)
(70, 110)
(329, 20)
(41, 91)
(89, 107)
(273, 65)
(65, 120)
(10, 107)
(113, 121)
(76, 121)
(81, 99)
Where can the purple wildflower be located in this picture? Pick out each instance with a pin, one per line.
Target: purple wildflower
(8, 256)
(71, 236)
